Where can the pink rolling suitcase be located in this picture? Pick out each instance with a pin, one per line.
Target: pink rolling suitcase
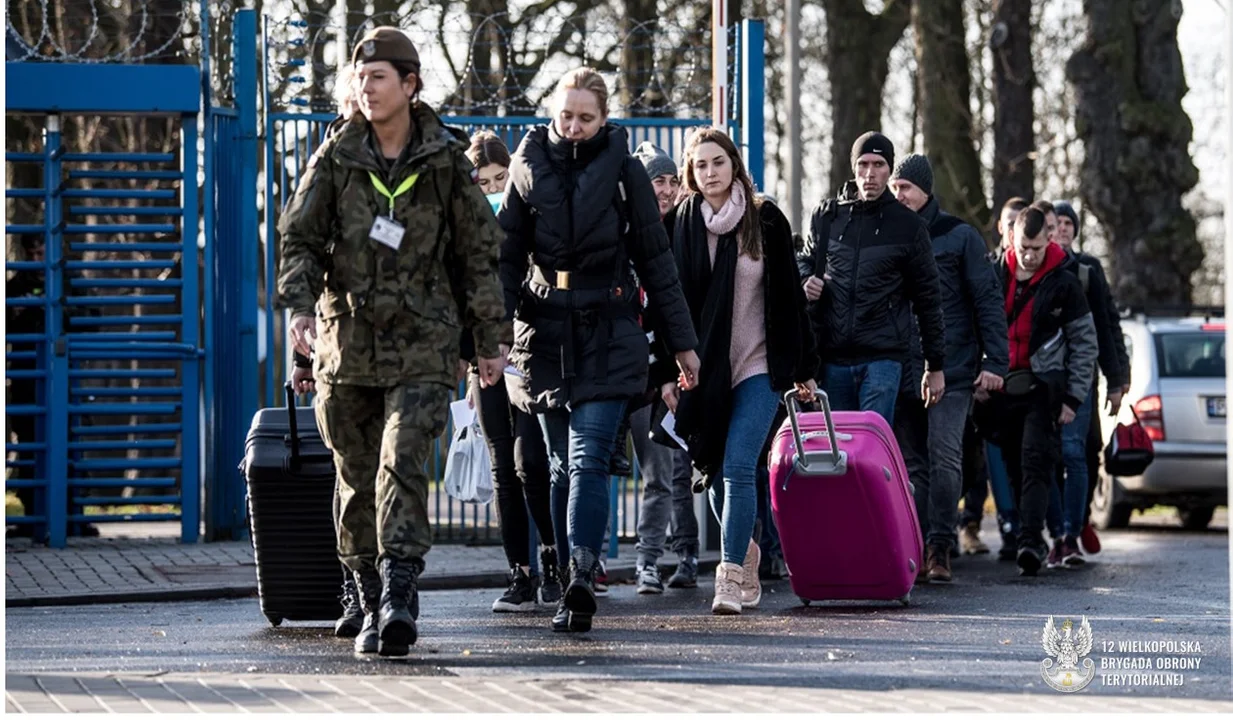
(843, 505)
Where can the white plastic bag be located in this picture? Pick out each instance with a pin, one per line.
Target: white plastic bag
(468, 468)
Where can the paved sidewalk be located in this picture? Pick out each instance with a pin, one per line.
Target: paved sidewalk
(172, 692)
(122, 569)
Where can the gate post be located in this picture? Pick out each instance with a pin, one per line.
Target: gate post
(234, 342)
(753, 97)
(56, 349)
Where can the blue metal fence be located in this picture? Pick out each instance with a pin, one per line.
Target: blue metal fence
(118, 304)
(141, 343)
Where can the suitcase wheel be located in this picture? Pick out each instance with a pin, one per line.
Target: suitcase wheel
(805, 601)
(906, 599)
(275, 620)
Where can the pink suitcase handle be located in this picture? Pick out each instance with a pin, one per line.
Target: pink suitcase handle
(832, 461)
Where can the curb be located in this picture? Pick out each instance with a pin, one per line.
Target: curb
(468, 581)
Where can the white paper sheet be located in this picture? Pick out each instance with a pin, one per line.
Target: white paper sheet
(669, 426)
(461, 413)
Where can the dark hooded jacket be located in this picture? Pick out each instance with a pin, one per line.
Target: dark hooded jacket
(564, 213)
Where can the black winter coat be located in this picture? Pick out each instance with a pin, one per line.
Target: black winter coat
(880, 259)
(562, 213)
(703, 414)
(1114, 361)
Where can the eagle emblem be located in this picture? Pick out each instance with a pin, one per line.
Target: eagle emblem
(1067, 669)
(369, 49)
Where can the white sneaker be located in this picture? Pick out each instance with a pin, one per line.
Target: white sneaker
(728, 578)
(751, 587)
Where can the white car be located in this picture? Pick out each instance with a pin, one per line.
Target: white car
(1178, 392)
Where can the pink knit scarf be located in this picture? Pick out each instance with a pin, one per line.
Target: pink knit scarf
(729, 216)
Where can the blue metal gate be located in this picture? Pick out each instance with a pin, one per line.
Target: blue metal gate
(293, 127)
(115, 363)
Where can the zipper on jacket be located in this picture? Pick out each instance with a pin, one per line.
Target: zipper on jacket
(856, 265)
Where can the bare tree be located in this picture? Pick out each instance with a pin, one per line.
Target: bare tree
(944, 92)
(1013, 81)
(1129, 83)
(858, 47)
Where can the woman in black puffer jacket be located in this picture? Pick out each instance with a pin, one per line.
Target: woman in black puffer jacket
(578, 211)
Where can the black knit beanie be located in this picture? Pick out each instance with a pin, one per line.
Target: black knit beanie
(873, 142)
(1061, 208)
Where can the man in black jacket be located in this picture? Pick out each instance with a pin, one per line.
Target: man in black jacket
(866, 266)
(1080, 445)
(976, 357)
(1052, 360)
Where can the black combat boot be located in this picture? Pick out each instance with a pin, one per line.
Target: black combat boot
(550, 583)
(399, 606)
(348, 626)
(579, 599)
(619, 465)
(368, 591)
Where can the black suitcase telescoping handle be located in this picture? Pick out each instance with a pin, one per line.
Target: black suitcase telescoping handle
(832, 461)
(292, 425)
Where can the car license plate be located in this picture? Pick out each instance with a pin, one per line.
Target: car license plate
(1215, 407)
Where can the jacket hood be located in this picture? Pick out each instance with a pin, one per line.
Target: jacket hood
(1056, 257)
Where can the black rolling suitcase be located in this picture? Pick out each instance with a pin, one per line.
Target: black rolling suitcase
(290, 475)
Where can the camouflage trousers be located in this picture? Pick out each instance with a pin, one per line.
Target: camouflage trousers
(381, 439)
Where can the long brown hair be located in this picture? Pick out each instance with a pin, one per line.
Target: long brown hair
(748, 232)
(488, 149)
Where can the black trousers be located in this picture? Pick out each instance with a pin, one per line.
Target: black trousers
(975, 475)
(519, 469)
(1031, 442)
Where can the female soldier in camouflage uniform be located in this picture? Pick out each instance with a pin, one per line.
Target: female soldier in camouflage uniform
(386, 222)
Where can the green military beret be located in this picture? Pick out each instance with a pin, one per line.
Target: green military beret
(389, 44)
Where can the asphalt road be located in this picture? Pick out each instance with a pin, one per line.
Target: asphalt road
(980, 633)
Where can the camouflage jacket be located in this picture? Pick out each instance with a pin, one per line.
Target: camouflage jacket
(388, 316)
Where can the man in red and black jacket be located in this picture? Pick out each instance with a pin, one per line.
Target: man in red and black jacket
(1052, 341)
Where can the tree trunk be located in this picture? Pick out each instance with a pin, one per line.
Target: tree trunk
(857, 62)
(641, 93)
(1129, 85)
(944, 90)
(1014, 79)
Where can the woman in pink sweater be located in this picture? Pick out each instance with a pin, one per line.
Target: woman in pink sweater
(736, 260)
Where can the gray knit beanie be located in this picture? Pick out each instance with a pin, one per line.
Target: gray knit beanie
(915, 168)
(656, 161)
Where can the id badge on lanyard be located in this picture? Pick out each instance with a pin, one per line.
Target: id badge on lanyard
(386, 230)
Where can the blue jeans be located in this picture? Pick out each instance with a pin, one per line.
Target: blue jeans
(1068, 503)
(580, 442)
(865, 386)
(734, 498)
(1003, 496)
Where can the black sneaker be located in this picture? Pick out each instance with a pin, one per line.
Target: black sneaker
(520, 597)
(1029, 561)
(550, 581)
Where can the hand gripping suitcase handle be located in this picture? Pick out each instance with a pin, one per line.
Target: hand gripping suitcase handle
(831, 461)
